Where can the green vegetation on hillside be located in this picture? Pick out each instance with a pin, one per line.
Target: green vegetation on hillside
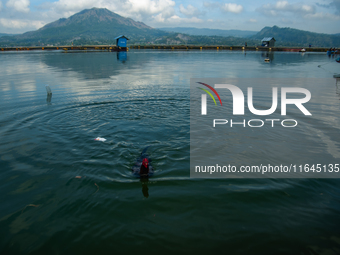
(209, 32)
(93, 26)
(294, 37)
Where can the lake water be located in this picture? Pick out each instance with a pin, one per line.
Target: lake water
(62, 192)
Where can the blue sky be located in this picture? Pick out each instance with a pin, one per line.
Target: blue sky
(18, 16)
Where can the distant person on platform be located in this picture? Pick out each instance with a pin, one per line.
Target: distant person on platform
(245, 45)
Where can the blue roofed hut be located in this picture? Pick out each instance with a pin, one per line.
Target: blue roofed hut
(121, 41)
(268, 42)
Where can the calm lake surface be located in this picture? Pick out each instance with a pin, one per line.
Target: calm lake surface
(138, 100)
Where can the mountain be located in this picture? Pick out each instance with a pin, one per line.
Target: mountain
(209, 32)
(294, 37)
(4, 34)
(100, 26)
(96, 25)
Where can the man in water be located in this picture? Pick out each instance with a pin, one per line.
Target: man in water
(144, 173)
(144, 168)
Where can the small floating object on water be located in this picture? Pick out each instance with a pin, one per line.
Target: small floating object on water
(101, 139)
(266, 60)
(48, 90)
(78, 177)
(303, 50)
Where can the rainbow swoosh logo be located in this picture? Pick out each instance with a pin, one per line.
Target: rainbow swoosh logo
(208, 92)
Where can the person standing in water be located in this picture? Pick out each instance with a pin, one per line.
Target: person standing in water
(144, 168)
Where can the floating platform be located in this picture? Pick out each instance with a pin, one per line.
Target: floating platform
(224, 47)
(66, 48)
(162, 47)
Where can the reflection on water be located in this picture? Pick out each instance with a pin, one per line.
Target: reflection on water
(145, 188)
(49, 99)
(268, 55)
(142, 97)
(337, 85)
(122, 56)
(93, 65)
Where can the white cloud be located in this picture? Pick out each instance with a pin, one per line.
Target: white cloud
(149, 6)
(322, 16)
(159, 18)
(336, 4)
(227, 7)
(284, 7)
(139, 10)
(175, 20)
(20, 24)
(189, 11)
(303, 10)
(230, 7)
(19, 5)
(307, 8)
(252, 20)
(211, 5)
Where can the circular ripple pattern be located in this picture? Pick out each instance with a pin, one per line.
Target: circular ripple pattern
(66, 132)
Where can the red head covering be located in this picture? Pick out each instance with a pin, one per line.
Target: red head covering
(145, 162)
